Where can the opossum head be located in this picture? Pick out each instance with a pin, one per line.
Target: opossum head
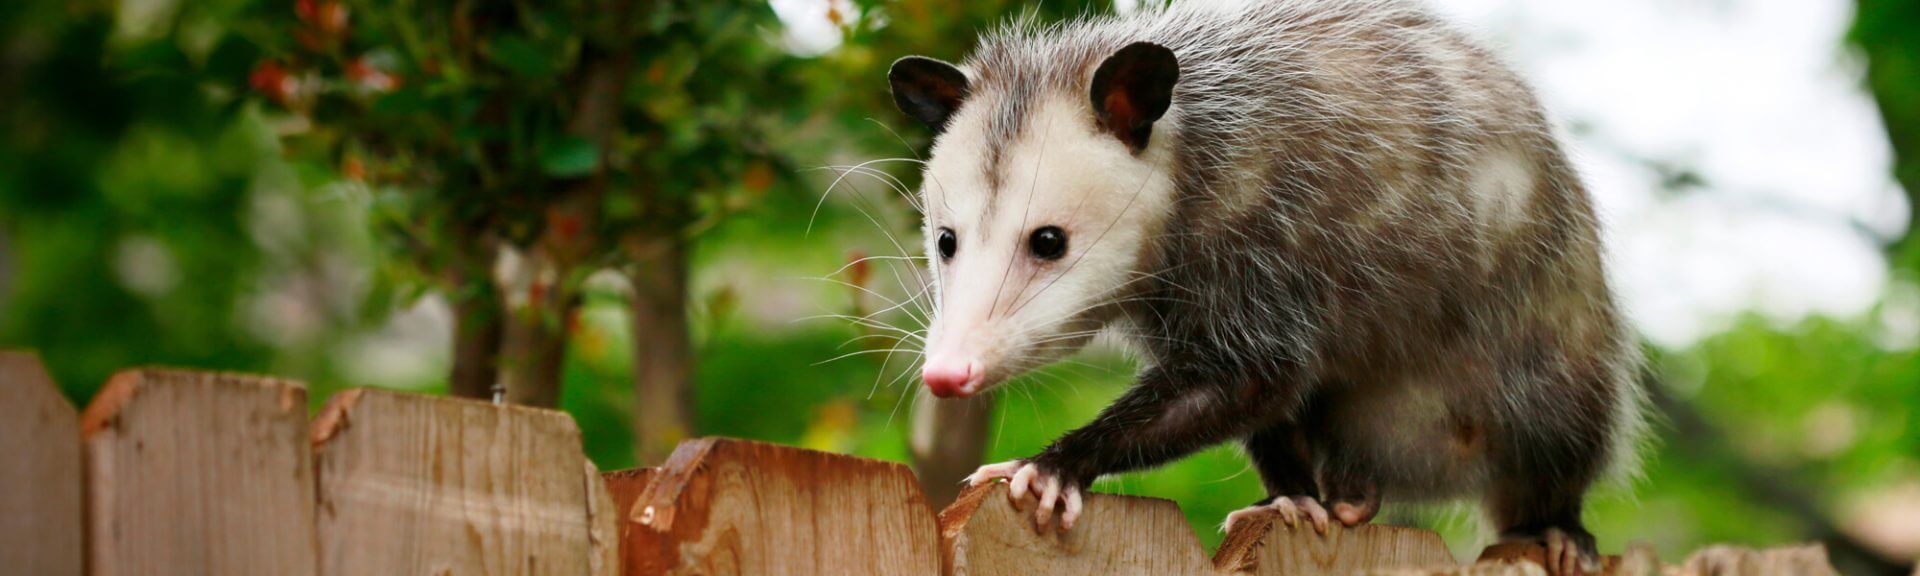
(1043, 194)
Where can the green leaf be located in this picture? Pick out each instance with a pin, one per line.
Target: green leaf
(570, 157)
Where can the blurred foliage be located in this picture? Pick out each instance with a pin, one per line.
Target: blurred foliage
(150, 214)
(131, 195)
(1884, 31)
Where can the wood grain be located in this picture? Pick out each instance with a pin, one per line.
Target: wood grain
(625, 486)
(983, 533)
(1264, 545)
(722, 506)
(200, 474)
(413, 484)
(40, 506)
(603, 521)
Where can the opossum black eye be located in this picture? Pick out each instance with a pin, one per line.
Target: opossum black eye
(948, 243)
(1048, 243)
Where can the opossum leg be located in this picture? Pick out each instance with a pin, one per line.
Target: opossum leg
(1354, 496)
(1349, 488)
(1285, 461)
(1161, 418)
(1547, 513)
(1354, 501)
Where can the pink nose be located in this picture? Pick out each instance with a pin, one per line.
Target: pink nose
(948, 378)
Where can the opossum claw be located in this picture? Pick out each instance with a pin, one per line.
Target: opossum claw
(1314, 511)
(1017, 487)
(1072, 512)
(991, 472)
(1049, 490)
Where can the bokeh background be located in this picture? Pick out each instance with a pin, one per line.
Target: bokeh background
(438, 195)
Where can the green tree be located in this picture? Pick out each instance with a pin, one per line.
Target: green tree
(546, 141)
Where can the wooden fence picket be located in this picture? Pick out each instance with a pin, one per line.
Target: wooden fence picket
(412, 484)
(603, 530)
(173, 472)
(1262, 544)
(721, 506)
(40, 498)
(194, 473)
(625, 486)
(983, 533)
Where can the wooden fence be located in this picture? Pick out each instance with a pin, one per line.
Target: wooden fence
(176, 472)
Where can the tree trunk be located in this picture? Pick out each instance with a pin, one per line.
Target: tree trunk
(477, 326)
(663, 353)
(949, 442)
(540, 303)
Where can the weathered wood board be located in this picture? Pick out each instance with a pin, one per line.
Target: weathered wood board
(983, 533)
(603, 532)
(722, 506)
(201, 474)
(412, 484)
(40, 505)
(625, 486)
(1262, 544)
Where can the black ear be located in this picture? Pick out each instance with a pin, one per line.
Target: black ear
(1132, 89)
(927, 89)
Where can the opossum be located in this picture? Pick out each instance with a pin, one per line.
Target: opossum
(1339, 232)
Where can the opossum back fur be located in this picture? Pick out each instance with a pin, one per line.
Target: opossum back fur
(1364, 197)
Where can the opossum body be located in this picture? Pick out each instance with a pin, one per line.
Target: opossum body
(1336, 231)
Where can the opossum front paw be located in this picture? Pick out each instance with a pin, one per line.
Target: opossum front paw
(1291, 509)
(1051, 488)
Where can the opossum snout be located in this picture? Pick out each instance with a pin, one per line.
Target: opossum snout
(951, 377)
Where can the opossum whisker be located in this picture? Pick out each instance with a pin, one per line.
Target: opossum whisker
(1019, 235)
(860, 200)
(894, 304)
(861, 204)
(836, 183)
(863, 337)
(914, 298)
(919, 298)
(896, 136)
(875, 324)
(862, 353)
(862, 289)
(857, 261)
(888, 361)
(916, 391)
(887, 179)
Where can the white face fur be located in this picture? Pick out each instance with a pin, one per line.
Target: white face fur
(1005, 300)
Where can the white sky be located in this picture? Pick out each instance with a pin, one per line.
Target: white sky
(1758, 97)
